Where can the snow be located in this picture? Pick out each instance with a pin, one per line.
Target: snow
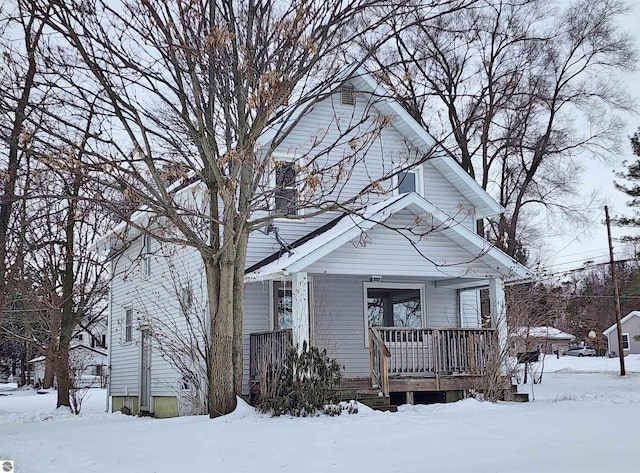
(551, 333)
(584, 419)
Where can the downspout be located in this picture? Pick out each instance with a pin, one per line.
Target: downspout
(110, 328)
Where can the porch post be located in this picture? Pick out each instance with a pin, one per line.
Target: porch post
(300, 308)
(498, 312)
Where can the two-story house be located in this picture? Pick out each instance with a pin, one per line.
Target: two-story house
(390, 289)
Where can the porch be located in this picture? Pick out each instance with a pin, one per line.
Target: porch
(402, 360)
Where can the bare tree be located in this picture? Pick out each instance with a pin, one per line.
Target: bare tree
(194, 87)
(521, 92)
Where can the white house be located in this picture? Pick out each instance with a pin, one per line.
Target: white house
(396, 282)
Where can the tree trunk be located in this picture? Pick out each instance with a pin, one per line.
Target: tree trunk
(220, 278)
(62, 373)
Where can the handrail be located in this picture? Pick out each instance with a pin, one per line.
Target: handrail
(379, 355)
(430, 352)
(268, 348)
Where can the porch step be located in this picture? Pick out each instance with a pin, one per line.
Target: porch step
(513, 395)
(371, 397)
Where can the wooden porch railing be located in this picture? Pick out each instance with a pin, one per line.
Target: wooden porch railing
(267, 348)
(427, 352)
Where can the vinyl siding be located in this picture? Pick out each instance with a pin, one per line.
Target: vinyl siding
(320, 129)
(632, 327)
(339, 325)
(386, 251)
(154, 301)
(470, 308)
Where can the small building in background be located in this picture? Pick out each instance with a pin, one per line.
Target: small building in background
(630, 335)
(547, 340)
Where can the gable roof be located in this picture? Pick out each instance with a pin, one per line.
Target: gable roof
(352, 225)
(406, 125)
(626, 318)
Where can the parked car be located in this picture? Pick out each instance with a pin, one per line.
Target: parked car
(581, 351)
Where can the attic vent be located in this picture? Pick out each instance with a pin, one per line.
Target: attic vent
(348, 94)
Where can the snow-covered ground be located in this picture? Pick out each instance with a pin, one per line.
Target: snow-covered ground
(585, 418)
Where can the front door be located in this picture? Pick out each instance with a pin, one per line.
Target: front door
(145, 370)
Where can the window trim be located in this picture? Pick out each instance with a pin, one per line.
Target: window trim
(628, 341)
(418, 171)
(272, 303)
(391, 285)
(125, 325)
(146, 256)
(285, 158)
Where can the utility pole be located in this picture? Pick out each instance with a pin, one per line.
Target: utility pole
(616, 294)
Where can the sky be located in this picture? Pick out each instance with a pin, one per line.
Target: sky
(572, 249)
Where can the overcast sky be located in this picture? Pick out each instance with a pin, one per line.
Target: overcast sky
(571, 250)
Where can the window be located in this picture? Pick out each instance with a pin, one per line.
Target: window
(146, 261)
(128, 325)
(392, 305)
(409, 181)
(186, 299)
(282, 305)
(98, 341)
(286, 196)
(626, 343)
(98, 370)
(348, 94)
(78, 337)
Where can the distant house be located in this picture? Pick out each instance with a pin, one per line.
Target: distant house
(546, 339)
(630, 330)
(87, 358)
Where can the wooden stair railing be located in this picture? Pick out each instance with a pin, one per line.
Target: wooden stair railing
(379, 361)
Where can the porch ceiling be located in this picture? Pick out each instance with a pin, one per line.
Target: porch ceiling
(489, 261)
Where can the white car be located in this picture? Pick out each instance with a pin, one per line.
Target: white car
(581, 351)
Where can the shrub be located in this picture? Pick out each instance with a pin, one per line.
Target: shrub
(302, 386)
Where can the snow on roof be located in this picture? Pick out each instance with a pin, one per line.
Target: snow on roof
(629, 316)
(38, 358)
(542, 332)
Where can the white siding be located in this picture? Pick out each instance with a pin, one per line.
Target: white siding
(387, 150)
(154, 301)
(256, 319)
(470, 308)
(386, 251)
(339, 325)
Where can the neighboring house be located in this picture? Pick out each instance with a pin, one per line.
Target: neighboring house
(87, 358)
(395, 286)
(630, 330)
(547, 340)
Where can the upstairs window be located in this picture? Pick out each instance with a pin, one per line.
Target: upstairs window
(409, 181)
(348, 94)
(146, 258)
(286, 192)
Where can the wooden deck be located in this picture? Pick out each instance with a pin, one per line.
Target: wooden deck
(406, 359)
(401, 359)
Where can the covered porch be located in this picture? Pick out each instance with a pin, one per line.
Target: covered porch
(392, 295)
